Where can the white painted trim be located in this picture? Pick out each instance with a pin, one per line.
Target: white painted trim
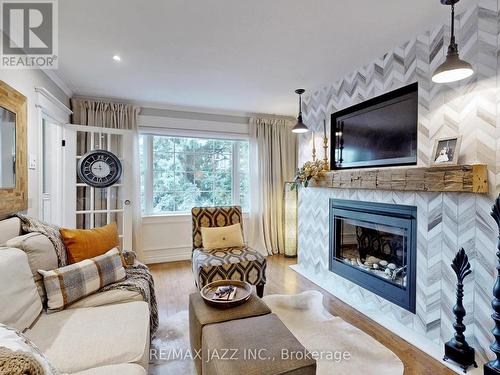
(58, 81)
(172, 218)
(166, 219)
(98, 129)
(164, 255)
(49, 103)
(421, 342)
(190, 127)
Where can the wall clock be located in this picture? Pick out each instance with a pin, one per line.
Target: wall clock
(99, 168)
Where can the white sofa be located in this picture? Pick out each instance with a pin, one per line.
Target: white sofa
(105, 333)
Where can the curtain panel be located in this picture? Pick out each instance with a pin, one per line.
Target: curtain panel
(104, 113)
(113, 115)
(275, 148)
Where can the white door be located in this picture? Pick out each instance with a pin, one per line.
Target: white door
(51, 187)
(88, 207)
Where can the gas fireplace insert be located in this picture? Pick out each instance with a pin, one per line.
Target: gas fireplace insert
(374, 246)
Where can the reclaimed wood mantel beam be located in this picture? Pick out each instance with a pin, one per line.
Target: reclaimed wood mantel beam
(456, 178)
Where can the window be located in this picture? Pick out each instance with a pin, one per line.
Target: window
(178, 173)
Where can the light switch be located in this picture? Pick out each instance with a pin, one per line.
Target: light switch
(32, 162)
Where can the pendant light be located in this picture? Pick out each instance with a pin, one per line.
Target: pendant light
(300, 127)
(453, 69)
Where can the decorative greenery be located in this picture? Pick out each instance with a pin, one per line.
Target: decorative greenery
(311, 170)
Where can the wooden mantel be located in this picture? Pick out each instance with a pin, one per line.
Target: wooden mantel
(456, 178)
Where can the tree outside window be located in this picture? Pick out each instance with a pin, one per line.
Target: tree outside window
(178, 173)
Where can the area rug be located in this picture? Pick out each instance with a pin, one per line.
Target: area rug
(339, 347)
(354, 351)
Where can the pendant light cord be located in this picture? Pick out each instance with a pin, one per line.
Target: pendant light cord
(452, 39)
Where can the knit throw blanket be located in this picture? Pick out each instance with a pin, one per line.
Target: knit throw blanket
(139, 278)
(18, 363)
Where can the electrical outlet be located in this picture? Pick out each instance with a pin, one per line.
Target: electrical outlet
(32, 162)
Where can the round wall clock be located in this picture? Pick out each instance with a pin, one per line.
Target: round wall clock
(99, 168)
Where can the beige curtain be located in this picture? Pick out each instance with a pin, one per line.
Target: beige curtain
(109, 114)
(273, 150)
(104, 113)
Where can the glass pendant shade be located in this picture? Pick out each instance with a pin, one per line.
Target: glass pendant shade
(300, 127)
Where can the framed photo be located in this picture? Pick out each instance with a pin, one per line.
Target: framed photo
(445, 151)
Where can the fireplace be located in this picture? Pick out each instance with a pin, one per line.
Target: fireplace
(374, 246)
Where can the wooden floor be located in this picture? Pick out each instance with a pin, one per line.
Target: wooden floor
(174, 281)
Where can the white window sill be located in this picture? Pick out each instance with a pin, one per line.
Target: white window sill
(174, 217)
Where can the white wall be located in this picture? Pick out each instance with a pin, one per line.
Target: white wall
(25, 82)
(168, 238)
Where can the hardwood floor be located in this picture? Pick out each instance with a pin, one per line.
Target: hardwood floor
(174, 282)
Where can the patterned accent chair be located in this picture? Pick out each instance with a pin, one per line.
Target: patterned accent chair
(234, 263)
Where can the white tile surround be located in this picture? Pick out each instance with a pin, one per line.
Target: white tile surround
(445, 221)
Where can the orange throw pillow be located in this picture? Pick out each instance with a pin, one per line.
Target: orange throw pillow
(84, 244)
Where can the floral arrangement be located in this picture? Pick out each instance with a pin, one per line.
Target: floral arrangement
(311, 170)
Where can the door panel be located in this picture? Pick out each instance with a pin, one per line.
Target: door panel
(95, 207)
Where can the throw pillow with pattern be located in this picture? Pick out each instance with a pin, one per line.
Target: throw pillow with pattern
(69, 284)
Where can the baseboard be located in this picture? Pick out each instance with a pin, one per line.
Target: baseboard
(419, 341)
(165, 255)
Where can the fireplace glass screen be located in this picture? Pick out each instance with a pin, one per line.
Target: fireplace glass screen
(378, 249)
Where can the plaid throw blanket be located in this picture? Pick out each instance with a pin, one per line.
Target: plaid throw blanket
(139, 278)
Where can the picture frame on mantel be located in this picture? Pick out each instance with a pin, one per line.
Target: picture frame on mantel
(446, 151)
(13, 153)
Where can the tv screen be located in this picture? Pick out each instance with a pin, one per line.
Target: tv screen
(379, 131)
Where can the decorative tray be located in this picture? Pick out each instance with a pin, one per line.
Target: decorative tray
(242, 293)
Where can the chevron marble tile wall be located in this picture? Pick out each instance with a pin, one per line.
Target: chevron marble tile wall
(446, 221)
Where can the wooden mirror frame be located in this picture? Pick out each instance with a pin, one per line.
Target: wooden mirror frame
(16, 199)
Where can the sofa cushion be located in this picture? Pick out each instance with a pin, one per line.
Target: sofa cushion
(41, 255)
(79, 339)
(68, 284)
(109, 297)
(9, 228)
(84, 244)
(122, 369)
(20, 303)
(17, 342)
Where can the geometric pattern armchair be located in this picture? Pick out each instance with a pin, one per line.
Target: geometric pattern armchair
(232, 263)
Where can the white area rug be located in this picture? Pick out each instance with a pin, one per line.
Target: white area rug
(319, 331)
(307, 319)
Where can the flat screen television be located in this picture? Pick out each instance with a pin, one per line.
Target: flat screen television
(378, 132)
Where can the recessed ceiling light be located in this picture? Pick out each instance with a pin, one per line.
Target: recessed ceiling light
(117, 58)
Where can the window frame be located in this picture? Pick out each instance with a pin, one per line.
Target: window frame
(147, 149)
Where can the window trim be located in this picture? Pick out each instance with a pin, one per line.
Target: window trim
(148, 173)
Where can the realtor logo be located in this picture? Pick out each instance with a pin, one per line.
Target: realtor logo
(29, 37)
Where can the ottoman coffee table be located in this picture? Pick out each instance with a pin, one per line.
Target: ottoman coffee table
(260, 345)
(200, 314)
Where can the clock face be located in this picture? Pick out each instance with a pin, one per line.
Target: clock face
(99, 168)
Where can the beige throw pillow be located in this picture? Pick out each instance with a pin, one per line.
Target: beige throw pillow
(222, 237)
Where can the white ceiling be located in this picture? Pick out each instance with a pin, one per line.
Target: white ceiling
(234, 55)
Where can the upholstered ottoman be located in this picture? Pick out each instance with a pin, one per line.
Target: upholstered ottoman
(201, 314)
(260, 345)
